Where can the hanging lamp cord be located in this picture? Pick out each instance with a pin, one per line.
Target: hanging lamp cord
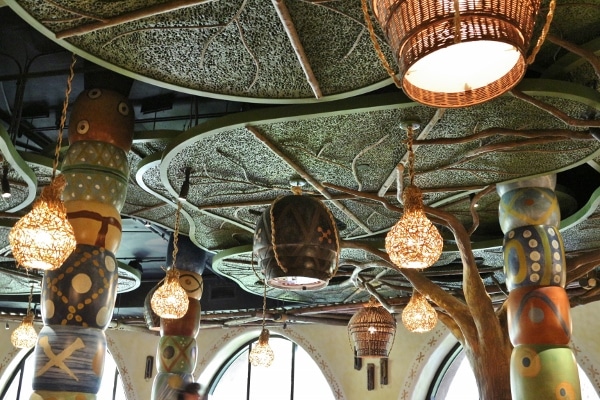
(176, 233)
(29, 312)
(411, 154)
(63, 115)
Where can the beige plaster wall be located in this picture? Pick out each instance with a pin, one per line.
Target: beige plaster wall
(413, 361)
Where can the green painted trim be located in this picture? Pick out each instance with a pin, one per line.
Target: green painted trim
(153, 136)
(233, 251)
(13, 157)
(570, 61)
(588, 209)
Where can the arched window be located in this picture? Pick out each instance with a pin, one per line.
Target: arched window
(293, 375)
(455, 380)
(19, 384)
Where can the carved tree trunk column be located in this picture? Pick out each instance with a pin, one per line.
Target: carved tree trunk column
(177, 350)
(538, 310)
(77, 299)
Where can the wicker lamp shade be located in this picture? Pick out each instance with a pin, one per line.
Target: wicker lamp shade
(452, 57)
(25, 336)
(170, 300)
(44, 238)
(372, 330)
(418, 315)
(296, 243)
(261, 354)
(413, 242)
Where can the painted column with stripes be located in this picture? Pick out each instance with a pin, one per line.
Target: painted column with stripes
(538, 311)
(77, 299)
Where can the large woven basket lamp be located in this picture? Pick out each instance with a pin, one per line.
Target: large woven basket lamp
(372, 330)
(457, 53)
(296, 243)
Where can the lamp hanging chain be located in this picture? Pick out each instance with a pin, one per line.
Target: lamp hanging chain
(543, 34)
(30, 301)
(378, 50)
(264, 305)
(176, 233)
(63, 116)
(411, 155)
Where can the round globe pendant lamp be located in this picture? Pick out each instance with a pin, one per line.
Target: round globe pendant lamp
(25, 336)
(296, 243)
(413, 242)
(457, 53)
(43, 239)
(170, 300)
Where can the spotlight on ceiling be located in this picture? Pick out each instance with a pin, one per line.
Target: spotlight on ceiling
(5, 184)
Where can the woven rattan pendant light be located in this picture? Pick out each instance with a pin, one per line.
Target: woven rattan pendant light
(261, 354)
(457, 53)
(419, 316)
(170, 300)
(414, 242)
(44, 238)
(25, 336)
(372, 330)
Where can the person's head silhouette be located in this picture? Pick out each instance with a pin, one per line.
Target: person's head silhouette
(190, 392)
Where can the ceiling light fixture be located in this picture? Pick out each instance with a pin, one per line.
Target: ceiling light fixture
(456, 53)
(372, 330)
(25, 336)
(419, 316)
(414, 242)
(5, 183)
(44, 238)
(261, 354)
(296, 242)
(171, 300)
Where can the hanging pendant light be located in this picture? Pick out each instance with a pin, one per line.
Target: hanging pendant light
(418, 315)
(44, 238)
(372, 330)
(296, 242)
(261, 354)
(456, 53)
(171, 300)
(25, 336)
(413, 242)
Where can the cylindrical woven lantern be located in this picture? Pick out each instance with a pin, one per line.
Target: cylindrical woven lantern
(296, 243)
(372, 330)
(458, 58)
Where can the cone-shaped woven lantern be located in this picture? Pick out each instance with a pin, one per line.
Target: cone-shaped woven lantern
(418, 315)
(296, 243)
(171, 300)
(372, 330)
(456, 53)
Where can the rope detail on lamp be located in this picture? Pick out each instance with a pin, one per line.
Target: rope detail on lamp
(171, 300)
(44, 238)
(261, 354)
(413, 242)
